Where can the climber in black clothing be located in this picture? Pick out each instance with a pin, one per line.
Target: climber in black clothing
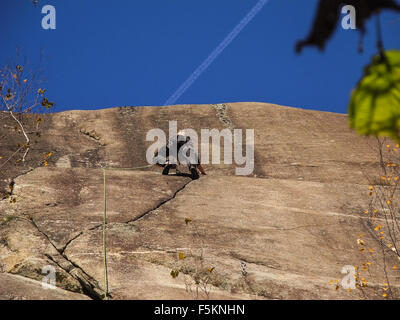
(163, 158)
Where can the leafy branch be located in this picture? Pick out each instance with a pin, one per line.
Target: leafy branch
(20, 96)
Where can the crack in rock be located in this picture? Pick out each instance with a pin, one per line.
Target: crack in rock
(69, 241)
(129, 221)
(222, 114)
(160, 204)
(12, 183)
(88, 284)
(92, 134)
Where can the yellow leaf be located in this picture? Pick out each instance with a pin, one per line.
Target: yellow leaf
(181, 256)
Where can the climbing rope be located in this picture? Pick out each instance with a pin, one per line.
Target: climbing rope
(129, 169)
(106, 293)
(104, 238)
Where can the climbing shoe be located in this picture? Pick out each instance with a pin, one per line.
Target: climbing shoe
(166, 169)
(195, 173)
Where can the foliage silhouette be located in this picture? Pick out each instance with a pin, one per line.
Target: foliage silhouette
(328, 14)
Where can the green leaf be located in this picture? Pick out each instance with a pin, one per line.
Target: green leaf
(374, 107)
(174, 273)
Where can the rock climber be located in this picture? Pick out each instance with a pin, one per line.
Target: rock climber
(185, 148)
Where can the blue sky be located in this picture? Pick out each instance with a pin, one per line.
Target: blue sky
(136, 53)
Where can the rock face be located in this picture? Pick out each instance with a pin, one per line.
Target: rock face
(15, 287)
(282, 232)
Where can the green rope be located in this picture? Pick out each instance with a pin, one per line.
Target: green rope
(106, 294)
(104, 238)
(130, 169)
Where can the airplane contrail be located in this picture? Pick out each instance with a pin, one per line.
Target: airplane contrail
(217, 51)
